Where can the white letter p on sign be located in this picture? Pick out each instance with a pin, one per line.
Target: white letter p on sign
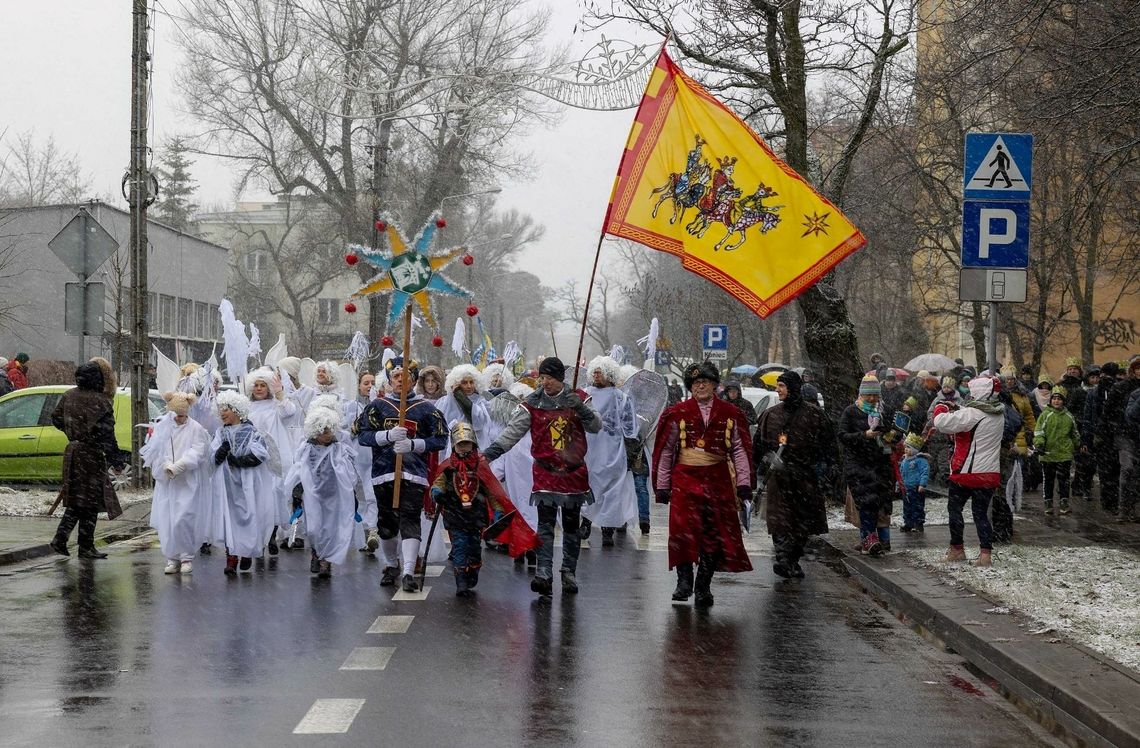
(986, 236)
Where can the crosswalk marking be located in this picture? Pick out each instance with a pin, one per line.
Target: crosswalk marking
(328, 716)
(368, 658)
(433, 571)
(402, 596)
(391, 625)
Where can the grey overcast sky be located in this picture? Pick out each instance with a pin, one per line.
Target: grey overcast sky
(67, 75)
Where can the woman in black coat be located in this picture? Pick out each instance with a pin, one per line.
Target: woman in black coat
(867, 461)
(86, 416)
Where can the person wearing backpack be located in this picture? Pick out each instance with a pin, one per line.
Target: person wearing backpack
(1055, 441)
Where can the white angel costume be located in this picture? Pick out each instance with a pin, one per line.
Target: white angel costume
(249, 510)
(178, 457)
(515, 469)
(610, 480)
(327, 475)
(280, 421)
(453, 412)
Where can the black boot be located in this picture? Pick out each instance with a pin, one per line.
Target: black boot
(59, 544)
(704, 597)
(462, 587)
(66, 524)
(87, 537)
(272, 545)
(584, 528)
(684, 588)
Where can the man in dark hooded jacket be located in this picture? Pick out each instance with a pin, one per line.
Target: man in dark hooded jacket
(1113, 428)
(1095, 441)
(86, 416)
(734, 396)
(796, 506)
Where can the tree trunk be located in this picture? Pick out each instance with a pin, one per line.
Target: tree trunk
(831, 346)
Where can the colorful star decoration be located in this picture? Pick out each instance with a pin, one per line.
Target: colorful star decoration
(816, 224)
(411, 271)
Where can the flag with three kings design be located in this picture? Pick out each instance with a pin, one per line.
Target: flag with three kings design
(697, 182)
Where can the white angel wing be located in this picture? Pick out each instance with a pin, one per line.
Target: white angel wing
(213, 360)
(167, 372)
(308, 374)
(277, 352)
(346, 377)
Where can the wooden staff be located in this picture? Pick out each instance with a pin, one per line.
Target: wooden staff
(403, 401)
(586, 311)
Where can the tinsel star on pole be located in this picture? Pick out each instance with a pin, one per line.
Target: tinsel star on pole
(410, 271)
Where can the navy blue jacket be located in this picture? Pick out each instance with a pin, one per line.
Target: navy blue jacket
(425, 426)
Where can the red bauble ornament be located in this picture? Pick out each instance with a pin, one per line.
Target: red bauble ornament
(468, 260)
(386, 341)
(472, 310)
(350, 308)
(437, 341)
(351, 259)
(381, 226)
(440, 223)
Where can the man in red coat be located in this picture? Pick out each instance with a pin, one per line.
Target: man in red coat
(703, 469)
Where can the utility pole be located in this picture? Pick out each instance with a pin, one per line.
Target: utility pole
(139, 180)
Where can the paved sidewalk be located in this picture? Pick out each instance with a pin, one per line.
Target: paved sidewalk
(1060, 681)
(22, 538)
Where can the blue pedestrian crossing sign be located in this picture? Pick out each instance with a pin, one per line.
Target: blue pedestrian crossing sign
(998, 166)
(995, 234)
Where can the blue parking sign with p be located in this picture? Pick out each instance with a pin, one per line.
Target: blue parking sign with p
(995, 234)
(714, 337)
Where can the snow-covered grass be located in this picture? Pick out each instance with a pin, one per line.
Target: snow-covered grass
(936, 514)
(1088, 593)
(31, 501)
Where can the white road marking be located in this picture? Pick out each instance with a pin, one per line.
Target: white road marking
(328, 716)
(402, 596)
(391, 625)
(433, 570)
(368, 658)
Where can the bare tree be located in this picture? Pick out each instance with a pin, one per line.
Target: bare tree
(33, 173)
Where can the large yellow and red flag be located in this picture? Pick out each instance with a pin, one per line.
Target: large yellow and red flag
(697, 182)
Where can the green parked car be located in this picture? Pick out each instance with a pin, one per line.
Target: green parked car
(31, 449)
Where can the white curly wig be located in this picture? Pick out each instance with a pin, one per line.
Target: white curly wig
(320, 419)
(490, 371)
(331, 402)
(627, 371)
(332, 368)
(458, 374)
(609, 368)
(235, 401)
(521, 390)
(262, 374)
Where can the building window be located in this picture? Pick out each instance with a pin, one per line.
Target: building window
(328, 311)
(185, 318)
(152, 313)
(202, 328)
(166, 311)
(216, 317)
(255, 264)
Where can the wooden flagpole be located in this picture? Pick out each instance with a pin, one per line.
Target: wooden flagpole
(404, 387)
(586, 311)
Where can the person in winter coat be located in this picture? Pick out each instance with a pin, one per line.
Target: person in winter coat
(1084, 464)
(867, 464)
(1055, 440)
(1094, 443)
(938, 445)
(5, 383)
(1113, 428)
(795, 501)
(893, 395)
(975, 465)
(1073, 382)
(734, 396)
(18, 371)
(915, 471)
(86, 416)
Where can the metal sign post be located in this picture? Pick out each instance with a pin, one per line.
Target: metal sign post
(83, 245)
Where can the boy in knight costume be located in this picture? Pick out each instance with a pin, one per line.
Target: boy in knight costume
(468, 495)
(702, 467)
(422, 433)
(557, 419)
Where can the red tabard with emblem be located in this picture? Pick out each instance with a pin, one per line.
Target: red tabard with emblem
(559, 451)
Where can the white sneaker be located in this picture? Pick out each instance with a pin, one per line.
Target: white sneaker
(171, 567)
(186, 567)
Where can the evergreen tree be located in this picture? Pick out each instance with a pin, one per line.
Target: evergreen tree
(176, 187)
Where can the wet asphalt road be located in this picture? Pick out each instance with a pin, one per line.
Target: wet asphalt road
(115, 653)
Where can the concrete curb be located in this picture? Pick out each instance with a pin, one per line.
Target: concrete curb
(1064, 684)
(139, 525)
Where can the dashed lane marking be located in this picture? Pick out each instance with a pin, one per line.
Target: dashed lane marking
(402, 596)
(433, 570)
(391, 625)
(329, 716)
(368, 658)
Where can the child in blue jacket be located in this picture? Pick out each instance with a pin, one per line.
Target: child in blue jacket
(915, 471)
